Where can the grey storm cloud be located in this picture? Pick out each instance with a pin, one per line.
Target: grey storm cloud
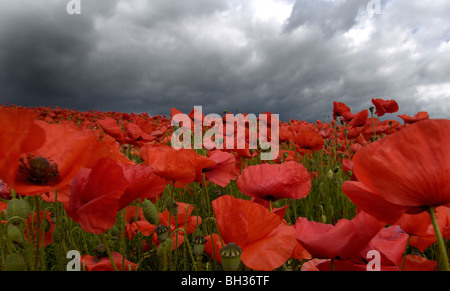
(288, 57)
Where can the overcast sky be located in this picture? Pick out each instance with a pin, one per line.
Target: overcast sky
(290, 57)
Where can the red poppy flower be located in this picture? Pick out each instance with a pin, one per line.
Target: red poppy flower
(18, 133)
(308, 140)
(350, 266)
(384, 106)
(266, 243)
(45, 230)
(184, 218)
(110, 127)
(339, 109)
(422, 115)
(418, 263)
(170, 164)
(62, 195)
(407, 170)
(54, 164)
(344, 240)
(390, 242)
(199, 162)
(99, 193)
(103, 263)
(135, 221)
(213, 245)
(222, 172)
(275, 181)
(5, 191)
(422, 231)
(359, 119)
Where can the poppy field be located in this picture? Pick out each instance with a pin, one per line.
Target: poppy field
(107, 191)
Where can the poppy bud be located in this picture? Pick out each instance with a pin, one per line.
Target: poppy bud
(18, 207)
(371, 108)
(198, 243)
(172, 207)
(46, 225)
(231, 257)
(15, 235)
(150, 212)
(58, 235)
(163, 232)
(163, 253)
(15, 262)
(330, 174)
(114, 231)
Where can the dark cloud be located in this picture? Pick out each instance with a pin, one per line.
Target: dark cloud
(149, 56)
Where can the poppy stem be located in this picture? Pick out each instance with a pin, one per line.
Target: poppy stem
(108, 251)
(36, 199)
(439, 239)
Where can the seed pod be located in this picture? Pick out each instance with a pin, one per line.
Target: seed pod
(150, 212)
(15, 262)
(163, 254)
(162, 231)
(231, 257)
(18, 207)
(198, 245)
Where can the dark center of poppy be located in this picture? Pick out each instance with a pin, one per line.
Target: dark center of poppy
(269, 198)
(134, 219)
(38, 170)
(100, 252)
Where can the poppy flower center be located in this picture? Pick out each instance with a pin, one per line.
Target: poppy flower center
(269, 198)
(99, 253)
(38, 170)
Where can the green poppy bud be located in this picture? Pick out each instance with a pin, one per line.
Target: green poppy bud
(15, 262)
(18, 207)
(330, 174)
(58, 235)
(15, 235)
(172, 207)
(231, 257)
(150, 212)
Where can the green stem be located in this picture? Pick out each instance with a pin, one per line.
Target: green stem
(404, 254)
(439, 239)
(36, 199)
(108, 251)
